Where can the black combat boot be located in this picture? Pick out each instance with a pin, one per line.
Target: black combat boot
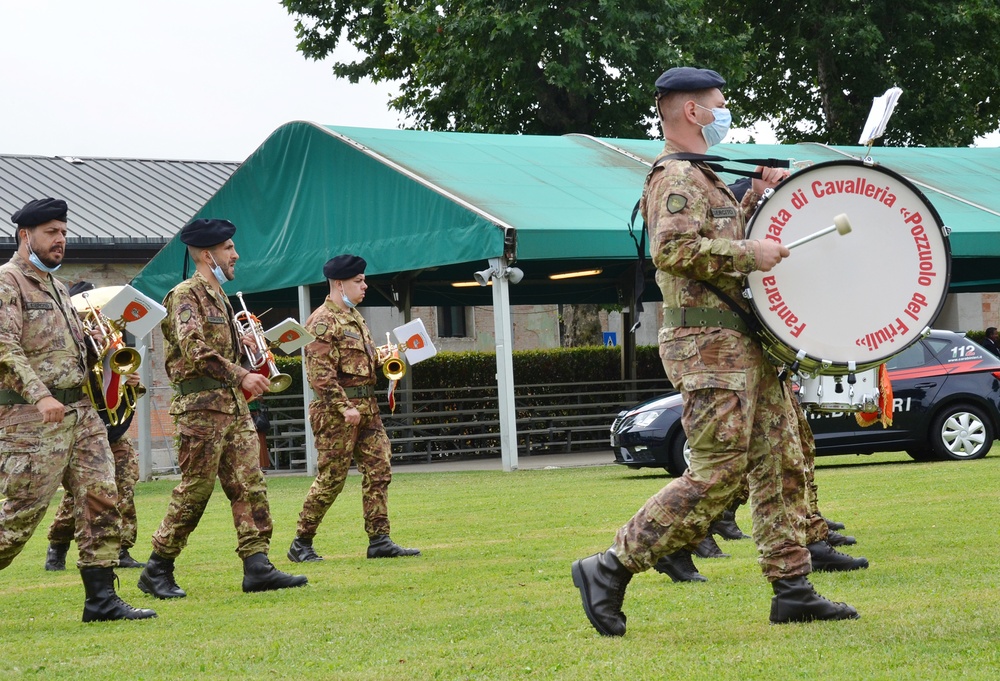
(380, 546)
(727, 528)
(709, 548)
(826, 559)
(838, 539)
(795, 600)
(157, 579)
(260, 575)
(103, 604)
(55, 557)
(125, 560)
(679, 567)
(601, 579)
(302, 551)
(834, 525)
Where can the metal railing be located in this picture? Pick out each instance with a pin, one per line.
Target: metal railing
(443, 423)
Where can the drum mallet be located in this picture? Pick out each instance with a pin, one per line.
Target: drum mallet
(840, 224)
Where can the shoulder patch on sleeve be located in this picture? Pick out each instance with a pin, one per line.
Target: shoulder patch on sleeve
(320, 329)
(185, 315)
(676, 203)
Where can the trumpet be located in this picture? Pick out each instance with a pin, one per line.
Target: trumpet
(261, 359)
(393, 366)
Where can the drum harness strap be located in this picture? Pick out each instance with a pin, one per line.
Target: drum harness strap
(737, 319)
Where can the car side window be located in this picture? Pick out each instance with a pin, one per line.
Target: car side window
(941, 345)
(913, 356)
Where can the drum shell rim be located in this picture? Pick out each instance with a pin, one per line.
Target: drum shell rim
(839, 368)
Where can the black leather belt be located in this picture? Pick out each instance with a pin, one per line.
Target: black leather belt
(64, 395)
(196, 385)
(359, 391)
(703, 316)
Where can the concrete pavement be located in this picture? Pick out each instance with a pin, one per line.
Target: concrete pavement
(601, 457)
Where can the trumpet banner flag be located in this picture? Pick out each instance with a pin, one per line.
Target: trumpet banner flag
(112, 384)
(414, 341)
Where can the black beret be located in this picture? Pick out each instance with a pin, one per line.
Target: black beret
(80, 287)
(686, 79)
(207, 232)
(344, 267)
(39, 212)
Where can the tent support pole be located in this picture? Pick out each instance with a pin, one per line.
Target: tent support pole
(503, 330)
(143, 412)
(304, 312)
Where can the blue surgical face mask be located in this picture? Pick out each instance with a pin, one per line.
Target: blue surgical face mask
(347, 301)
(217, 271)
(36, 261)
(717, 130)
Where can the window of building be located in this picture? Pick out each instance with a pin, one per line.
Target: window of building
(452, 322)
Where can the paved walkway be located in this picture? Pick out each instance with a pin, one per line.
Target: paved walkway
(601, 457)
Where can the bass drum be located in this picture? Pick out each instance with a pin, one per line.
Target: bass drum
(847, 302)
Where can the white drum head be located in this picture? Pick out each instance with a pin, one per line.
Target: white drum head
(859, 297)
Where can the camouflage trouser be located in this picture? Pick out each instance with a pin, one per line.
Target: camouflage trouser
(816, 527)
(214, 444)
(338, 443)
(740, 420)
(35, 458)
(126, 475)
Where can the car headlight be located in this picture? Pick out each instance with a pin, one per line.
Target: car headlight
(645, 418)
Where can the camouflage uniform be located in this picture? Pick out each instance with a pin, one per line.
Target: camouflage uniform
(816, 527)
(126, 475)
(343, 356)
(740, 419)
(42, 350)
(217, 438)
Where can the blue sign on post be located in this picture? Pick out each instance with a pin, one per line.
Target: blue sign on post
(610, 339)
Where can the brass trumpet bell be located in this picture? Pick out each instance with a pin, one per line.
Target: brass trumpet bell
(394, 369)
(125, 361)
(279, 383)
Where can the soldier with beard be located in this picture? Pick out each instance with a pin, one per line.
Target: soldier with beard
(50, 432)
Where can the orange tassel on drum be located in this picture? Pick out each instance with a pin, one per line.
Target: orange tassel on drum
(884, 413)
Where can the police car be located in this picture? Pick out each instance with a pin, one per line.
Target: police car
(946, 406)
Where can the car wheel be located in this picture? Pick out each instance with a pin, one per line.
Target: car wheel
(678, 455)
(961, 433)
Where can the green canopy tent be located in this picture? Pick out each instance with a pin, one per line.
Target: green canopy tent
(428, 209)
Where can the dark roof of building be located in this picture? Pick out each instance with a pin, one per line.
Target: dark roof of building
(113, 202)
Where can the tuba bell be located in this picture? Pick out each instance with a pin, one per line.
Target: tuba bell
(115, 359)
(261, 359)
(122, 359)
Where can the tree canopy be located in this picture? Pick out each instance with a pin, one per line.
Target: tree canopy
(810, 68)
(585, 66)
(815, 65)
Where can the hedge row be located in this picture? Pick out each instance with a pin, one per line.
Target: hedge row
(593, 365)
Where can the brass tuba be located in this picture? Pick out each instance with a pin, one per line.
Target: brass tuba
(393, 366)
(112, 353)
(261, 360)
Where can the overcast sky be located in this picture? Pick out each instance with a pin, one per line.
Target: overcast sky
(184, 79)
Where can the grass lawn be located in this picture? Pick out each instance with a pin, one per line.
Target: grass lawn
(492, 597)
